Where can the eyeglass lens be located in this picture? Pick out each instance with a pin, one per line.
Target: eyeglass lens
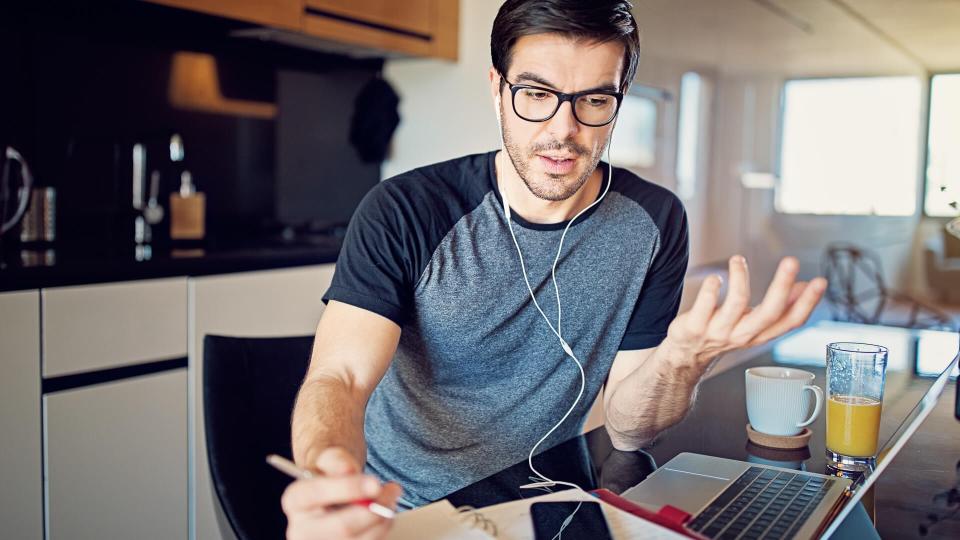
(537, 105)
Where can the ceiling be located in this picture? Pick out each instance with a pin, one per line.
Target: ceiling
(804, 37)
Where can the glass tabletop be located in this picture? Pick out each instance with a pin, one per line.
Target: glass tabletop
(919, 492)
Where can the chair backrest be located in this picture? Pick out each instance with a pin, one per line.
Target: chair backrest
(249, 387)
(856, 290)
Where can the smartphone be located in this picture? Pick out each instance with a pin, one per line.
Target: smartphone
(569, 521)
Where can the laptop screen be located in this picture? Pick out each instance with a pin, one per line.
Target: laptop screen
(893, 445)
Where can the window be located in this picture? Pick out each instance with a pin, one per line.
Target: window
(943, 146)
(688, 137)
(635, 136)
(849, 146)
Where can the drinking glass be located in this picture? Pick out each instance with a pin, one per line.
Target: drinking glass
(855, 377)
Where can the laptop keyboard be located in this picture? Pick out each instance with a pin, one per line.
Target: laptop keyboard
(762, 503)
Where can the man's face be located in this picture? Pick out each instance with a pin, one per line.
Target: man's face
(556, 157)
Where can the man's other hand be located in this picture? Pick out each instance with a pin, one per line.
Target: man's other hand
(706, 330)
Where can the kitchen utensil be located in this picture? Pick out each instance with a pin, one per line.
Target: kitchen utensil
(20, 198)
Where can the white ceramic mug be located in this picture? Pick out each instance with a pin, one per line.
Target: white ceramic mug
(778, 399)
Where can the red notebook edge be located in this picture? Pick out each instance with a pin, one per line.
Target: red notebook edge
(668, 516)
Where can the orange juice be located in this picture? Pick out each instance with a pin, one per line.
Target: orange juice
(853, 425)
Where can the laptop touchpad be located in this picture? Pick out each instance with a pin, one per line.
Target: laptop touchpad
(688, 486)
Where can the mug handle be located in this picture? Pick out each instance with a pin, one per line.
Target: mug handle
(816, 409)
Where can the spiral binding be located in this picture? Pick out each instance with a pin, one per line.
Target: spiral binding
(478, 520)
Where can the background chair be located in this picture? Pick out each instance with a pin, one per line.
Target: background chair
(249, 388)
(857, 292)
(942, 261)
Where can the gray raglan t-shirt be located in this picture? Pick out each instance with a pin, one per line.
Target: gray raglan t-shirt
(478, 377)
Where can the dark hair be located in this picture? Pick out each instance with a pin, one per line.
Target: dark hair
(595, 20)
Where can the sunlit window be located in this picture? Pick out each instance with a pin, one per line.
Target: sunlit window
(850, 146)
(635, 136)
(688, 137)
(943, 146)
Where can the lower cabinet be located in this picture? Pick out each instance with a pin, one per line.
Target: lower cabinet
(21, 508)
(116, 459)
(99, 446)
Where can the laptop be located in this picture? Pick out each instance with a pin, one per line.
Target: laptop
(740, 500)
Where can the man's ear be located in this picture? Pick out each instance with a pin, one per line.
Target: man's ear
(494, 83)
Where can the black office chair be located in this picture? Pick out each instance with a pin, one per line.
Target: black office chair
(249, 386)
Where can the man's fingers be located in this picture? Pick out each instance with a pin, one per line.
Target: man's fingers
(336, 461)
(349, 522)
(737, 300)
(317, 493)
(705, 304)
(776, 296)
(796, 291)
(354, 520)
(389, 495)
(377, 532)
(304, 498)
(797, 314)
(360, 524)
(775, 301)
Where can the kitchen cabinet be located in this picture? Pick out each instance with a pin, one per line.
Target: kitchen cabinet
(116, 459)
(254, 304)
(427, 28)
(94, 327)
(273, 13)
(413, 16)
(21, 506)
(413, 27)
(101, 404)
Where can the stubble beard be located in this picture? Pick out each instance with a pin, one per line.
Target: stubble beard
(554, 188)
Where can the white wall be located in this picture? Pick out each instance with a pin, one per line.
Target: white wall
(746, 138)
(445, 107)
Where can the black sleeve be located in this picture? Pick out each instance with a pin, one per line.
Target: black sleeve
(659, 298)
(376, 270)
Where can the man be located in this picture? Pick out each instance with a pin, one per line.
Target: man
(433, 368)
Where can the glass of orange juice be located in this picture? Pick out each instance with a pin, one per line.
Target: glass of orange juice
(855, 377)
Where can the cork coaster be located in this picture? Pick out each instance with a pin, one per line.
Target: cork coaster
(775, 441)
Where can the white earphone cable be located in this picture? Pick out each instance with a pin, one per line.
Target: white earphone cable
(541, 480)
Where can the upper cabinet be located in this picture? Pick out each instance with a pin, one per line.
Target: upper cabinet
(426, 28)
(410, 16)
(273, 13)
(413, 27)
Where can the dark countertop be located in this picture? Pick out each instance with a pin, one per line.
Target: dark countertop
(23, 269)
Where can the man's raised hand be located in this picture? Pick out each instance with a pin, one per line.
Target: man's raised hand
(708, 330)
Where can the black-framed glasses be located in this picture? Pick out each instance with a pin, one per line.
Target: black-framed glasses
(592, 108)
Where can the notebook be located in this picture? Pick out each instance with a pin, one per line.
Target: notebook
(441, 519)
(511, 521)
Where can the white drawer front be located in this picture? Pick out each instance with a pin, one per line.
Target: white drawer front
(101, 326)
